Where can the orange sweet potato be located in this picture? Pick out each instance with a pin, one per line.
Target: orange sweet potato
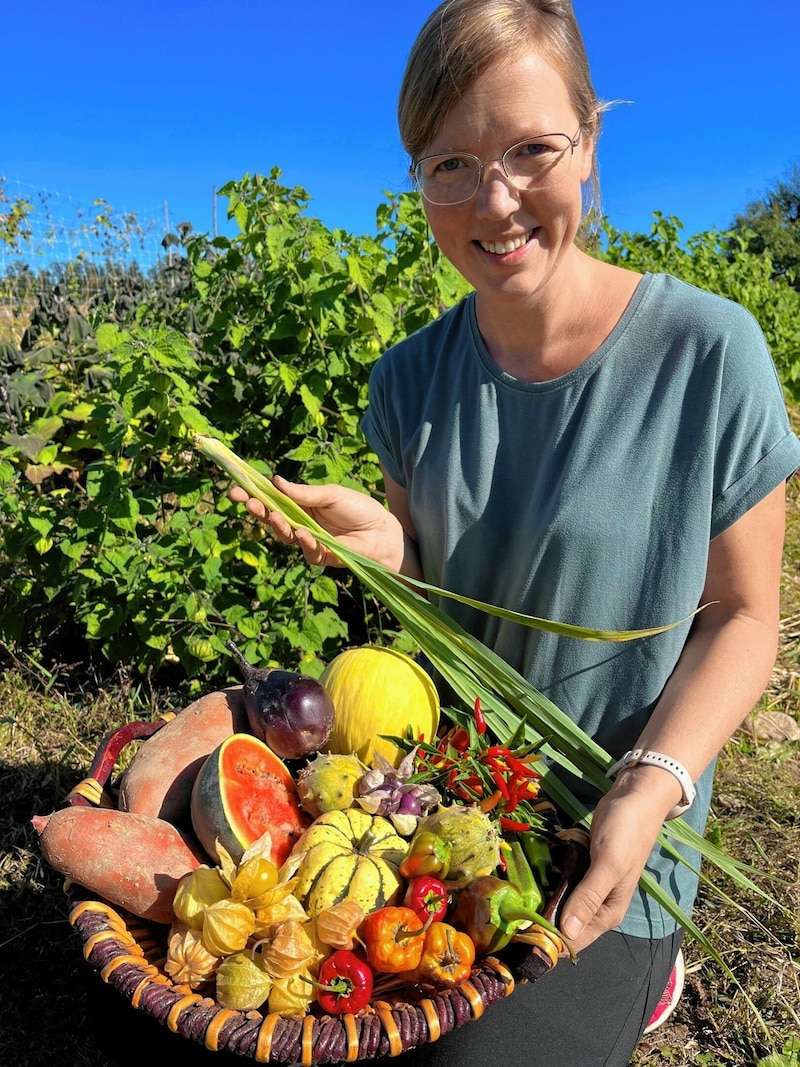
(131, 861)
(160, 777)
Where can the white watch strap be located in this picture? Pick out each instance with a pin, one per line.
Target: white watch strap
(658, 759)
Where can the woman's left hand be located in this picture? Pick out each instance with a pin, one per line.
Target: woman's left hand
(625, 826)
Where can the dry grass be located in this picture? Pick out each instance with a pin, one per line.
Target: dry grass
(54, 1009)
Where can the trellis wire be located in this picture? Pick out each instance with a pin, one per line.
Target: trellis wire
(55, 231)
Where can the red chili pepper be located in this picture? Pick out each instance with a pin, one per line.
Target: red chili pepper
(521, 767)
(480, 719)
(495, 764)
(345, 983)
(501, 784)
(459, 739)
(427, 896)
(513, 826)
(474, 782)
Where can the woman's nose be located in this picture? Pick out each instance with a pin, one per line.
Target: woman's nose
(497, 194)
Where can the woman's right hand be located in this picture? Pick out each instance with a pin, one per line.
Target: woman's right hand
(356, 519)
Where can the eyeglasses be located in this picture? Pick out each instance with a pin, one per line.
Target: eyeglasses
(450, 178)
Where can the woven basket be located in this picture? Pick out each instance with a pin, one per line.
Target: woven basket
(130, 953)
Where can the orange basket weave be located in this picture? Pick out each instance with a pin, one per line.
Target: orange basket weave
(130, 954)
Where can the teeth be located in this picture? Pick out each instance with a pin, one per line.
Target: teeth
(500, 248)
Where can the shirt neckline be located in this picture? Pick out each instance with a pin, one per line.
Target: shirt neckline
(579, 373)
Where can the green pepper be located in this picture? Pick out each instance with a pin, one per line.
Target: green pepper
(492, 910)
(537, 852)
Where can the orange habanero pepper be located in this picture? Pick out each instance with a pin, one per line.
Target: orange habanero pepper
(393, 938)
(447, 956)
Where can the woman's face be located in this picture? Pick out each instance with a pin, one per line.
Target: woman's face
(509, 243)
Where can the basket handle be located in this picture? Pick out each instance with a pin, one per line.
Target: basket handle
(90, 791)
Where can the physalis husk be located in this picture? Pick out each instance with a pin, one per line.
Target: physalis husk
(227, 927)
(188, 960)
(242, 982)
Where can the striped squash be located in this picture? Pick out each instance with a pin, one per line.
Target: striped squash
(346, 855)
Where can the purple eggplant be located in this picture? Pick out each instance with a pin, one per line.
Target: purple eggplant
(289, 711)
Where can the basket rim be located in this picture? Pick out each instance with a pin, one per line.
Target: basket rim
(126, 950)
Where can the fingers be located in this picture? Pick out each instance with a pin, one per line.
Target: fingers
(307, 495)
(255, 507)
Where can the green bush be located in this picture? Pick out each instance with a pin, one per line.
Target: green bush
(115, 532)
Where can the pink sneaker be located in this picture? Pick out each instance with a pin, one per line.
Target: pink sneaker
(670, 996)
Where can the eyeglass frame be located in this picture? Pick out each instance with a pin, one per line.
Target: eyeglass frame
(482, 163)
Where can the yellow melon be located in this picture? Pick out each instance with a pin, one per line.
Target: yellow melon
(378, 691)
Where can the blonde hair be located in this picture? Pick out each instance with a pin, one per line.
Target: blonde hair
(462, 38)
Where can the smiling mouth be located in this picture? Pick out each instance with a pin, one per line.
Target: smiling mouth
(500, 248)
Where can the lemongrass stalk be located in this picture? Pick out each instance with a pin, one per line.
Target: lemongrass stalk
(473, 669)
(263, 489)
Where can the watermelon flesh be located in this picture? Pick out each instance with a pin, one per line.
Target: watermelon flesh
(244, 791)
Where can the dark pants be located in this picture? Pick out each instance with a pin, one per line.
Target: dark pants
(590, 1014)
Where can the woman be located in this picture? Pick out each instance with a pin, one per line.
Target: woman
(582, 443)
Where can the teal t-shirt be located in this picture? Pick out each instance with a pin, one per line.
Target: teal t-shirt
(589, 499)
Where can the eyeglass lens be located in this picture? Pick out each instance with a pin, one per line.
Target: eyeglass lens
(533, 163)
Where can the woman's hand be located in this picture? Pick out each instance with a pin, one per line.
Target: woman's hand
(356, 519)
(625, 826)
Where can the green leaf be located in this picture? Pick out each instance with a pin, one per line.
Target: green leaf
(124, 511)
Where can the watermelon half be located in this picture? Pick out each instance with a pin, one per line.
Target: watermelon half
(242, 792)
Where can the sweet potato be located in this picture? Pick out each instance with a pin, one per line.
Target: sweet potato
(131, 861)
(160, 777)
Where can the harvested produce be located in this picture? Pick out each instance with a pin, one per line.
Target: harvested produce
(427, 854)
(132, 861)
(447, 957)
(387, 790)
(188, 960)
(491, 910)
(254, 881)
(337, 925)
(196, 892)
(346, 855)
(227, 927)
(344, 983)
(428, 897)
(289, 711)
(394, 939)
(378, 691)
(160, 777)
(329, 783)
(243, 792)
(473, 839)
(243, 983)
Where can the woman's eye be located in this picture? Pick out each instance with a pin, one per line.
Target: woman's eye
(447, 166)
(532, 148)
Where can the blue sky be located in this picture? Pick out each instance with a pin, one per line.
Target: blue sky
(142, 103)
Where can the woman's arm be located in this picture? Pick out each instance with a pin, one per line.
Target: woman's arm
(722, 672)
(356, 519)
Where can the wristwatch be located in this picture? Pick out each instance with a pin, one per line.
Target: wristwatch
(645, 756)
